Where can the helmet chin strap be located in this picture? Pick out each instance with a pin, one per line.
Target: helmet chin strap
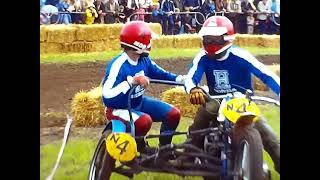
(224, 48)
(223, 55)
(144, 54)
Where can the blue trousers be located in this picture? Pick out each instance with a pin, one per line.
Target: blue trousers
(149, 110)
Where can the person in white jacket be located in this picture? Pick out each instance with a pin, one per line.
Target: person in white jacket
(264, 8)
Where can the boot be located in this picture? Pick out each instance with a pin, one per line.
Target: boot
(164, 140)
(144, 148)
(270, 141)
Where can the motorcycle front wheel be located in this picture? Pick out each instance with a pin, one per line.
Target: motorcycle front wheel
(247, 154)
(102, 163)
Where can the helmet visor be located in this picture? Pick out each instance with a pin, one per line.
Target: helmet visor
(214, 40)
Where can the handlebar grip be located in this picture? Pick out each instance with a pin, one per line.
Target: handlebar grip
(158, 81)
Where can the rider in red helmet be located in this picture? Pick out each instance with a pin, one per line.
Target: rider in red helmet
(137, 35)
(227, 68)
(218, 34)
(134, 66)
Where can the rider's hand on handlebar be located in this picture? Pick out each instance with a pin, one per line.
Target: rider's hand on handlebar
(197, 96)
(141, 80)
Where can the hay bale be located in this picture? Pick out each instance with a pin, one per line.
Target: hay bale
(180, 99)
(94, 32)
(259, 85)
(164, 41)
(99, 46)
(80, 47)
(114, 44)
(61, 33)
(87, 108)
(105, 45)
(77, 38)
(156, 28)
(271, 41)
(246, 40)
(257, 40)
(43, 48)
(43, 33)
(110, 45)
(46, 47)
(187, 41)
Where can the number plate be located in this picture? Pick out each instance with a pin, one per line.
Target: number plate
(121, 146)
(237, 107)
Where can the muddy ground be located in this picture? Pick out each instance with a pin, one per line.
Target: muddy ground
(59, 83)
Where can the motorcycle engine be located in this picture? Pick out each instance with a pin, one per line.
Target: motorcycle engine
(211, 144)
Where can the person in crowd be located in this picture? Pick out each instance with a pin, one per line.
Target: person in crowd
(64, 15)
(112, 10)
(167, 7)
(235, 14)
(91, 13)
(264, 8)
(100, 7)
(247, 7)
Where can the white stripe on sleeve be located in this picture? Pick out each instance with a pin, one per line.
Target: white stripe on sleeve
(155, 64)
(189, 82)
(256, 63)
(107, 90)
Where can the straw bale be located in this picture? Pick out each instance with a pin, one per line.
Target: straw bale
(87, 108)
(60, 33)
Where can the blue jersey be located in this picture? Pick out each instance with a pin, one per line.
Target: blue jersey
(224, 76)
(116, 87)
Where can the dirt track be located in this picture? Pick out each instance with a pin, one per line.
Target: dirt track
(59, 83)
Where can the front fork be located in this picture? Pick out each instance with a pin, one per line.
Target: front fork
(225, 151)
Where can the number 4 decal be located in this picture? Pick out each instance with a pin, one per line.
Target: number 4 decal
(243, 106)
(124, 147)
(240, 109)
(113, 137)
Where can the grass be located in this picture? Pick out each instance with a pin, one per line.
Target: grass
(164, 53)
(78, 152)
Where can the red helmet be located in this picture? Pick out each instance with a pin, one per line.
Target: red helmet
(218, 26)
(137, 35)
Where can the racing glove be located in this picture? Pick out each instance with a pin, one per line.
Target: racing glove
(197, 96)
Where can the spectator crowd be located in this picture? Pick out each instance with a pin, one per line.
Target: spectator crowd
(175, 16)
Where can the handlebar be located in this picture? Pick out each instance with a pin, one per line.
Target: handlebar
(266, 99)
(249, 92)
(249, 95)
(255, 98)
(157, 81)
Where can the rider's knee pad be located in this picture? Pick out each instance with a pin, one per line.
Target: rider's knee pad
(143, 124)
(212, 106)
(173, 117)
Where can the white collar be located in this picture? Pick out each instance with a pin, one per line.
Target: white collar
(132, 62)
